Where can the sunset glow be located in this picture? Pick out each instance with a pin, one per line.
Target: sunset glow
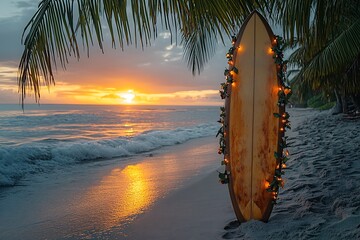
(69, 93)
(128, 97)
(157, 75)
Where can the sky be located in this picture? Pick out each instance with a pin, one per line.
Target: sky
(156, 75)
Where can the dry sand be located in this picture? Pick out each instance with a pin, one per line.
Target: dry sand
(321, 198)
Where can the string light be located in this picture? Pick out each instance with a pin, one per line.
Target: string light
(233, 40)
(284, 93)
(229, 79)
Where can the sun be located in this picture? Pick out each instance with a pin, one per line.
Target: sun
(128, 97)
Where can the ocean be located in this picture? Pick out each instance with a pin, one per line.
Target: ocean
(44, 138)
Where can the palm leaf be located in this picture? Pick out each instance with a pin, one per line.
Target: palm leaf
(337, 55)
(209, 22)
(54, 32)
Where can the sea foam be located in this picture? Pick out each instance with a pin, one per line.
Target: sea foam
(17, 161)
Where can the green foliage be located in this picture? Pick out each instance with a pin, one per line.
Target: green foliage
(320, 102)
(56, 30)
(325, 33)
(326, 37)
(316, 101)
(327, 106)
(224, 177)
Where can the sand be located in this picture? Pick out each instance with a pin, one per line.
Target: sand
(97, 200)
(199, 211)
(321, 198)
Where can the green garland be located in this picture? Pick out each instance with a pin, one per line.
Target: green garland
(284, 94)
(228, 73)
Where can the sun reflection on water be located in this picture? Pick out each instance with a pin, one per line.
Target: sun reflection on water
(120, 196)
(139, 191)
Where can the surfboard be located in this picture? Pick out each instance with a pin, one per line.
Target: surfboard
(251, 130)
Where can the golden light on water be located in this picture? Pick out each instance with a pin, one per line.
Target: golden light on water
(119, 196)
(129, 129)
(139, 192)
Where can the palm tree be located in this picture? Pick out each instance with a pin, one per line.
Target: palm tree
(55, 31)
(327, 34)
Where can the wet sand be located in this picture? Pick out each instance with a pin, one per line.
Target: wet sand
(98, 200)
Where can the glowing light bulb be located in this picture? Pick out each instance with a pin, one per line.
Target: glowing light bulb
(287, 91)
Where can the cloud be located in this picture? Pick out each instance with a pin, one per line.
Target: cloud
(7, 71)
(25, 4)
(192, 97)
(111, 95)
(146, 64)
(170, 47)
(8, 96)
(159, 69)
(165, 35)
(14, 17)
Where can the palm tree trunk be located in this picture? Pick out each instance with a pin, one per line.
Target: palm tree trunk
(338, 108)
(356, 101)
(345, 108)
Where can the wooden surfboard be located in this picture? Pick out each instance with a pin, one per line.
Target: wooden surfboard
(251, 130)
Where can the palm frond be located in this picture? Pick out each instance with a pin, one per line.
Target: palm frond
(207, 23)
(55, 31)
(337, 55)
(300, 18)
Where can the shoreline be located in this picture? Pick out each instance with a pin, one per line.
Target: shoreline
(314, 204)
(198, 211)
(182, 198)
(202, 210)
(98, 199)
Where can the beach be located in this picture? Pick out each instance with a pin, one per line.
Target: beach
(98, 200)
(174, 193)
(320, 200)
